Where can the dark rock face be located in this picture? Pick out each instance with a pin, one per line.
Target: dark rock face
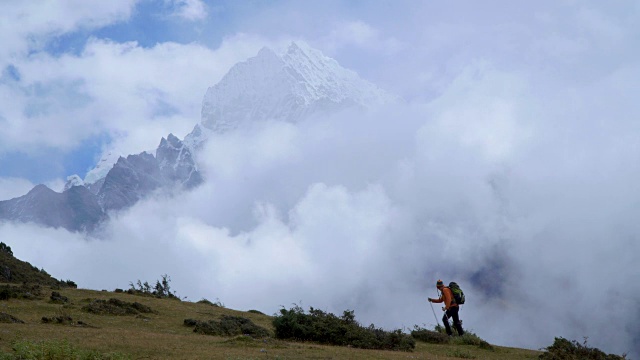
(76, 209)
(96, 186)
(85, 211)
(129, 180)
(83, 208)
(176, 163)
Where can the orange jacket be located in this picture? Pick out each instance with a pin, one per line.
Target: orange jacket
(446, 297)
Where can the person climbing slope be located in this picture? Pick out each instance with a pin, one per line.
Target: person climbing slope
(450, 308)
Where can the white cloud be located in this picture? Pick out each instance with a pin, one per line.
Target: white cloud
(25, 25)
(191, 10)
(482, 109)
(136, 95)
(339, 218)
(358, 33)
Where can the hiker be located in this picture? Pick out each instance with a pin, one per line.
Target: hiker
(450, 308)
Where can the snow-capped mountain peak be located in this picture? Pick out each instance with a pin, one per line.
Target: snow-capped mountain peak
(284, 87)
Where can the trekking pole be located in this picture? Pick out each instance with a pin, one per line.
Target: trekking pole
(434, 313)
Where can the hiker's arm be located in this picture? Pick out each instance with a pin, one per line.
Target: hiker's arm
(436, 300)
(447, 299)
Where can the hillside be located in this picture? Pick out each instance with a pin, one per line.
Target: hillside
(45, 318)
(40, 314)
(15, 271)
(162, 334)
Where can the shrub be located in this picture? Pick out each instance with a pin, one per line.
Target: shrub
(228, 326)
(190, 322)
(470, 338)
(116, 307)
(563, 349)
(70, 283)
(207, 302)
(60, 319)
(24, 291)
(327, 328)
(57, 298)
(429, 336)
(457, 353)
(6, 318)
(439, 336)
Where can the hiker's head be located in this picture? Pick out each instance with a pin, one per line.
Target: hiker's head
(439, 284)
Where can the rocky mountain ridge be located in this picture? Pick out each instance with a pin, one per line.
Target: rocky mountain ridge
(82, 207)
(282, 87)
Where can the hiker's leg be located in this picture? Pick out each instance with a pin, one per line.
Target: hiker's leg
(456, 320)
(445, 321)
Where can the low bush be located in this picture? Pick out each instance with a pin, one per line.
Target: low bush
(56, 350)
(228, 326)
(439, 336)
(429, 336)
(6, 318)
(327, 328)
(563, 349)
(69, 283)
(470, 338)
(60, 319)
(190, 322)
(116, 307)
(24, 291)
(207, 302)
(57, 298)
(461, 354)
(63, 318)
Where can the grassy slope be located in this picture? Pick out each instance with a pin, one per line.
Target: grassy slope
(17, 271)
(163, 335)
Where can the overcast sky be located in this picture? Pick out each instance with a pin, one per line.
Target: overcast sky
(513, 167)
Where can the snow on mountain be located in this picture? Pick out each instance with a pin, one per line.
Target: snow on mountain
(102, 168)
(176, 162)
(285, 87)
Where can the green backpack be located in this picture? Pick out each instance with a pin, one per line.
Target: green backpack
(458, 294)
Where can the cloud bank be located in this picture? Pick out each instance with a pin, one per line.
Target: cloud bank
(365, 211)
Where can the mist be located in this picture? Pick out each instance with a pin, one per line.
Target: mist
(492, 184)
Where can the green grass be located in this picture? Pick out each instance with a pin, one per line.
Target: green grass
(56, 350)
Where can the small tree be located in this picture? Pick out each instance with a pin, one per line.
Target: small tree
(163, 289)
